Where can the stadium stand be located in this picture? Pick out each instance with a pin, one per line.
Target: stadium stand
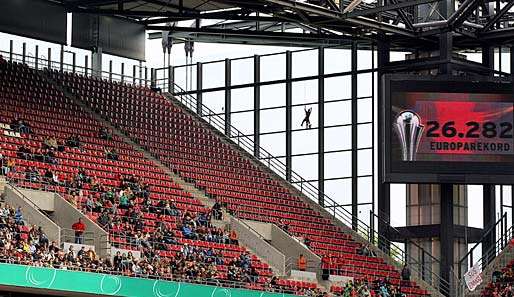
(502, 282)
(198, 155)
(54, 145)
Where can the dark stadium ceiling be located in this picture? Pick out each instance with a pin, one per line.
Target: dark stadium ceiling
(406, 23)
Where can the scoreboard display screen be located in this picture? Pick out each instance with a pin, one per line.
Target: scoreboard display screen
(440, 131)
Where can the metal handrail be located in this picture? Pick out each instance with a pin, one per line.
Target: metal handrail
(304, 186)
(488, 256)
(56, 65)
(501, 243)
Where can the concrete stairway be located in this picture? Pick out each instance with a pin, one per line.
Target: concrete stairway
(313, 204)
(186, 186)
(496, 265)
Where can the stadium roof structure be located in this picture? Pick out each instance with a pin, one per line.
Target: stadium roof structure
(404, 23)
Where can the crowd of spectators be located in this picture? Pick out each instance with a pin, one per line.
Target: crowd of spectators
(6, 164)
(363, 288)
(502, 284)
(23, 244)
(20, 126)
(120, 210)
(29, 245)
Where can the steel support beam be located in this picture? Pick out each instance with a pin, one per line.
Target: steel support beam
(384, 200)
(11, 49)
(355, 197)
(462, 13)
(489, 213)
(61, 59)
(488, 58)
(256, 105)
(49, 54)
(321, 126)
(498, 16)
(199, 87)
(86, 62)
(447, 233)
(289, 116)
(23, 53)
(36, 56)
(110, 70)
(228, 94)
(445, 53)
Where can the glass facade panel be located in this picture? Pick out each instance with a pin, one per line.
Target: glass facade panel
(338, 165)
(273, 120)
(305, 63)
(213, 75)
(273, 95)
(242, 99)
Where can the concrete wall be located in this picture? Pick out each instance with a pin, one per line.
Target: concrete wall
(255, 242)
(44, 200)
(65, 215)
(32, 214)
(292, 249)
(264, 229)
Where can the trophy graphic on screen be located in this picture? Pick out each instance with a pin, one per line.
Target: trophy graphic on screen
(409, 130)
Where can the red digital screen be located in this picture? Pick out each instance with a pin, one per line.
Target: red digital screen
(447, 131)
(452, 127)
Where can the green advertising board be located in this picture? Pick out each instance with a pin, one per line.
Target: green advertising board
(112, 285)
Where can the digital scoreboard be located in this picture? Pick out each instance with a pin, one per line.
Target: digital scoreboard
(438, 131)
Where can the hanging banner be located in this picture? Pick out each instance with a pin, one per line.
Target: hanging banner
(473, 278)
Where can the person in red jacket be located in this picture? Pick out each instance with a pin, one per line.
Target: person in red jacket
(79, 229)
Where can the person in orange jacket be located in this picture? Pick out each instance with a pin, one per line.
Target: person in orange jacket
(233, 237)
(302, 263)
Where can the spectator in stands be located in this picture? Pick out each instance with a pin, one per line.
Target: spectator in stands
(73, 141)
(11, 164)
(3, 62)
(111, 154)
(216, 211)
(104, 133)
(24, 153)
(325, 267)
(48, 176)
(234, 238)
(104, 220)
(61, 145)
(202, 220)
(20, 126)
(3, 165)
(50, 143)
(302, 263)
(8, 165)
(406, 273)
(364, 250)
(18, 216)
(90, 254)
(32, 174)
(307, 241)
(79, 227)
(170, 209)
(282, 225)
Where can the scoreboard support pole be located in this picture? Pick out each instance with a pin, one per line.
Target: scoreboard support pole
(447, 234)
(384, 199)
(489, 214)
(489, 193)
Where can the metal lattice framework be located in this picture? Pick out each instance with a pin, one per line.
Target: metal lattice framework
(406, 24)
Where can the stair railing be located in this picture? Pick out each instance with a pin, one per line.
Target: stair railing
(395, 251)
(497, 230)
(304, 186)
